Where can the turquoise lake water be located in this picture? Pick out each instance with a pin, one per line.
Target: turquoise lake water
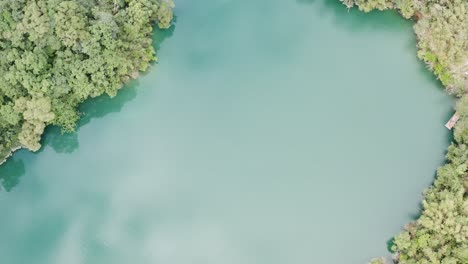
(269, 132)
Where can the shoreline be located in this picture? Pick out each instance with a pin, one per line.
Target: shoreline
(13, 150)
(405, 245)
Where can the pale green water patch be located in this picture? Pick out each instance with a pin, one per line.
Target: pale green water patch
(269, 132)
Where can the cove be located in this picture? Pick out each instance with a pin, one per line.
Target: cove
(269, 132)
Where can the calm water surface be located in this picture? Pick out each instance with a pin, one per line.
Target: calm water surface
(270, 132)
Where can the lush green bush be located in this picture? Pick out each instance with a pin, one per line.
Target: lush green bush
(440, 235)
(55, 54)
(378, 261)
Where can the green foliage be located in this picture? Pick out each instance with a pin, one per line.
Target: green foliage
(440, 235)
(378, 261)
(406, 7)
(56, 54)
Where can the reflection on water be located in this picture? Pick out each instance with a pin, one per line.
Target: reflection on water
(101, 106)
(161, 35)
(94, 108)
(67, 143)
(61, 143)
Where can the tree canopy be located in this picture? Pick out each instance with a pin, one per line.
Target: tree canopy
(56, 54)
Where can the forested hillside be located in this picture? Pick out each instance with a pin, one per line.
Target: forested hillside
(440, 235)
(55, 54)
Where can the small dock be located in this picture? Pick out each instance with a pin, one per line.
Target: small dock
(452, 121)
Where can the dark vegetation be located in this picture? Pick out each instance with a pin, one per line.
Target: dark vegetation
(55, 54)
(440, 235)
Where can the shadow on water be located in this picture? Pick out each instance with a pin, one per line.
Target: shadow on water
(95, 108)
(390, 244)
(66, 143)
(159, 35)
(10, 173)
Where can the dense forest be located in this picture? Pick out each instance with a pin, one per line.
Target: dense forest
(440, 235)
(55, 54)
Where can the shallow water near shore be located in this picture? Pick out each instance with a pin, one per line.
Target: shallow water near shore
(269, 132)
